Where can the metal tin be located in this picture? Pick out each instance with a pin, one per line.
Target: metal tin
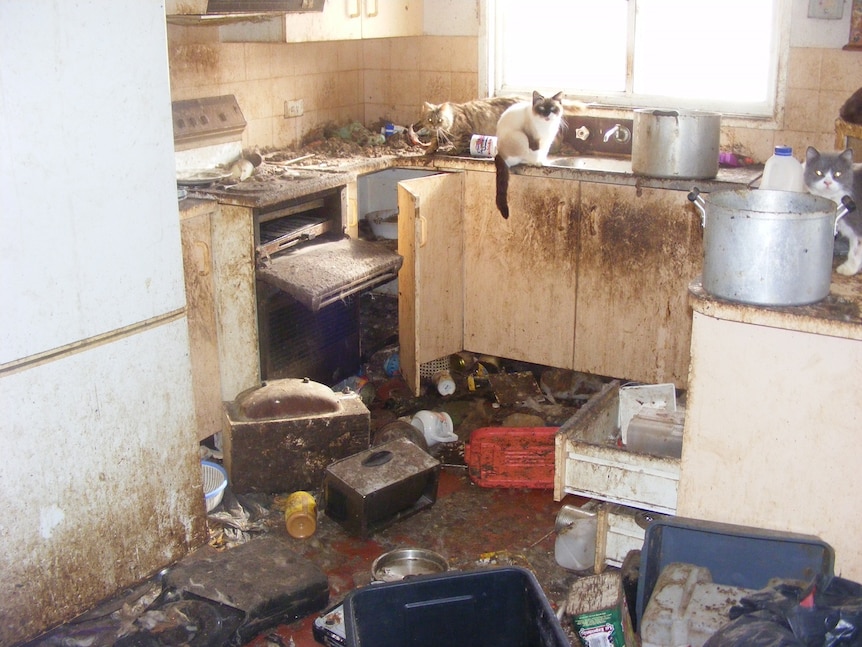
(675, 143)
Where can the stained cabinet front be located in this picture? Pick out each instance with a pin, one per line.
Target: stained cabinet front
(520, 273)
(639, 249)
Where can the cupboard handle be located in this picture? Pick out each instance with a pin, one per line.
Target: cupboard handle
(207, 264)
(368, 10)
(352, 213)
(353, 10)
(561, 214)
(423, 231)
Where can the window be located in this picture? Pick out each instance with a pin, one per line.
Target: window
(708, 54)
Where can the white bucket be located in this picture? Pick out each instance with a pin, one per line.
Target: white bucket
(436, 426)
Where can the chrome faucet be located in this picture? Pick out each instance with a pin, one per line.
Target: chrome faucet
(620, 134)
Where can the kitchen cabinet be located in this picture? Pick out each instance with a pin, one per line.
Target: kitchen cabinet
(582, 275)
(639, 248)
(339, 20)
(196, 232)
(771, 434)
(218, 260)
(521, 272)
(431, 280)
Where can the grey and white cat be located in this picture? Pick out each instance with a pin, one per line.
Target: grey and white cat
(525, 133)
(832, 176)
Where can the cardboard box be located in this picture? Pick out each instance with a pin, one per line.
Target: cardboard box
(599, 612)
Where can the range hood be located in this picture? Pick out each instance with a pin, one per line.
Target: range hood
(216, 12)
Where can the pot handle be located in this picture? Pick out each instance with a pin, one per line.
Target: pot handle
(695, 197)
(847, 205)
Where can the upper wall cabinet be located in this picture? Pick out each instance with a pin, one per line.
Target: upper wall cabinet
(339, 20)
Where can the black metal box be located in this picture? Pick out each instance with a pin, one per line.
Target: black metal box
(375, 488)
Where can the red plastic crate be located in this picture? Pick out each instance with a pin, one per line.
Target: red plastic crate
(511, 457)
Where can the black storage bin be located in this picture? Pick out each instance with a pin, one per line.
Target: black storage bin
(735, 555)
(496, 607)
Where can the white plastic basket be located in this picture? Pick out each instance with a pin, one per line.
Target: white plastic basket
(215, 482)
(430, 369)
(637, 396)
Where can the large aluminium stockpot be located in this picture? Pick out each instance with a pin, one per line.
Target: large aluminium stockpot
(771, 248)
(675, 143)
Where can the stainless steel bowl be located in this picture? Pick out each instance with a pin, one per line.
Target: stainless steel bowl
(406, 562)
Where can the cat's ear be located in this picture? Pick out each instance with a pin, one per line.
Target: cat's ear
(429, 106)
(847, 155)
(558, 96)
(811, 154)
(537, 97)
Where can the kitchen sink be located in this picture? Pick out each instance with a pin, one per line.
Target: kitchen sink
(587, 163)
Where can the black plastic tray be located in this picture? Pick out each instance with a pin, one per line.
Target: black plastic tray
(735, 555)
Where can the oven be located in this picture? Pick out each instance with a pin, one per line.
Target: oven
(308, 274)
(309, 279)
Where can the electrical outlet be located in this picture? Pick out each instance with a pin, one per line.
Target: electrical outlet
(293, 108)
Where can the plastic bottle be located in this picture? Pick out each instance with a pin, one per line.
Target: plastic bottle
(300, 515)
(783, 172)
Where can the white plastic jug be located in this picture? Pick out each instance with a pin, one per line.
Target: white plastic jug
(783, 172)
(436, 426)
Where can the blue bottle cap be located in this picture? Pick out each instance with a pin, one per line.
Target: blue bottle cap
(784, 151)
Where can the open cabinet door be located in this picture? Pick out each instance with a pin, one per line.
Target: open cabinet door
(431, 280)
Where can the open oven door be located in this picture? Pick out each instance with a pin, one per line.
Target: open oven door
(431, 279)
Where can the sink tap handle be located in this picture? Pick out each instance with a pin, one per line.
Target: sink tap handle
(582, 133)
(620, 134)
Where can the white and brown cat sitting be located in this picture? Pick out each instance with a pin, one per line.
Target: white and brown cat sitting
(832, 176)
(525, 133)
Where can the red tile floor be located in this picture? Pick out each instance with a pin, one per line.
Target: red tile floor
(472, 527)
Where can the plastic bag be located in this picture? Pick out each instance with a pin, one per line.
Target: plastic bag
(827, 612)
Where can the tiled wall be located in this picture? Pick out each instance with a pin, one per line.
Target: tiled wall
(338, 81)
(370, 80)
(819, 81)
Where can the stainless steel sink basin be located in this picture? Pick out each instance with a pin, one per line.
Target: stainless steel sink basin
(586, 163)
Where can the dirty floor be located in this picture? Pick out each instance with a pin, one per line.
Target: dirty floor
(472, 527)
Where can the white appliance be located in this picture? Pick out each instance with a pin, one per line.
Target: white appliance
(100, 483)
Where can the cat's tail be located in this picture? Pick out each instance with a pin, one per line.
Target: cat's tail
(502, 185)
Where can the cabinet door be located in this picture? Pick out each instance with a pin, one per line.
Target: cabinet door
(203, 332)
(430, 283)
(386, 19)
(339, 20)
(520, 272)
(640, 248)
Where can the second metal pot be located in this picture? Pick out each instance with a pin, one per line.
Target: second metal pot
(675, 143)
(771, 248)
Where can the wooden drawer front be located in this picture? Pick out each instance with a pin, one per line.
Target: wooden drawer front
(618, 476)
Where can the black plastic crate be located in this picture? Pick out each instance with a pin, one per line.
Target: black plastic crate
(735, 555)
(497, 607)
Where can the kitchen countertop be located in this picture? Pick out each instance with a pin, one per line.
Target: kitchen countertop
(838, 315)
(304, 181)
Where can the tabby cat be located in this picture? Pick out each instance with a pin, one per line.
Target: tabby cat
(525, 133)
(832, 176)
(452, 124)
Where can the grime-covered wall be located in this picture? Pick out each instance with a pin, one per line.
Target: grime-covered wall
(389, 78)
(338, 81)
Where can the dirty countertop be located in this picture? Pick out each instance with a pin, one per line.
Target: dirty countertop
(837, 315)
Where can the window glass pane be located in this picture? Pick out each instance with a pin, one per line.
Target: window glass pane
(704, 50)
(577, 45)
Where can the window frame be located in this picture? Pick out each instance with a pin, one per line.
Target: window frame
(769, 114)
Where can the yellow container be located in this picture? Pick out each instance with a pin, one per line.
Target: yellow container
(300, 515)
